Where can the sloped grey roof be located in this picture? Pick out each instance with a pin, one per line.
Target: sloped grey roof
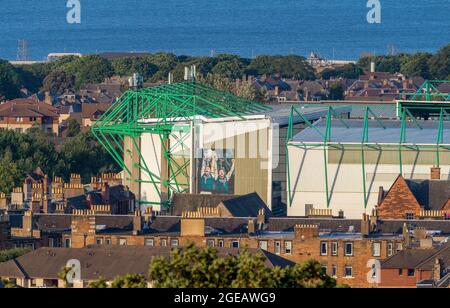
(101, 261)
(246, 206)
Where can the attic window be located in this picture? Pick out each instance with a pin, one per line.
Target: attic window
(409, 216)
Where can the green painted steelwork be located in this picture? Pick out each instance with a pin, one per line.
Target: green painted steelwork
(166, 110)
(405, 116)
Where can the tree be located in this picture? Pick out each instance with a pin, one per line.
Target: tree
(336, 92)
(291, 66)
(349, 71)
(440, 64)
(10, 174)
(58, 82)
(98, 284)
(165, 62)
(89, 69)
(229, 66)
(130, 281)
(63, 275)
(73, 128)
(417, 66)
(10, 254)
(191, 267)
(245, 90)
(127, 66)
(9, 81)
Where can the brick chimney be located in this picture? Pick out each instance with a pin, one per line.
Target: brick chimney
(374, 221)
(304, 232)
(48, 98)
(28, 221)
(83, 228)
(3, 201)
(365, 225)
(435, 173)
(105, 192)
(406, 236)
(192, 224)
(251, 226)
(137, 222)
(437, 269)
(261, 218)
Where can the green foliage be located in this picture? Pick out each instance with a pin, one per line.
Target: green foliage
(439, 64)
(127, 66)
(73, 128)
(22, 153)
(63, 274)
(417, 66)
(130, 281)
(8, 284)
(291, 66)
(336, 92)
(9, 81)
(58, 82)
(190, 267)
(165, 62)
(98, 284)
(9, 254)
(90, 69)
(349, 71)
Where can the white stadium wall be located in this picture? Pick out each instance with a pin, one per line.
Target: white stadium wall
(345, 177)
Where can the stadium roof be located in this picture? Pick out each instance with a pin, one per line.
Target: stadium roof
(352, 131)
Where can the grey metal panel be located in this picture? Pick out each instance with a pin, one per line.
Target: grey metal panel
(427, 134)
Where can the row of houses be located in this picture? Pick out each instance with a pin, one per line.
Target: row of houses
(410, 252)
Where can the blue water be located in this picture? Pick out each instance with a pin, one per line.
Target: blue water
(245, 27)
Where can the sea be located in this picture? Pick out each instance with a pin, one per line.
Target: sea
(333, 29)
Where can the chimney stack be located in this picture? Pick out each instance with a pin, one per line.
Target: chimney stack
(435, 173)
(261, 218)
(304, 232)
(365, 225)
(251, 226)
(437, 269)
(192, 224)
(372, 67)
(137, 222)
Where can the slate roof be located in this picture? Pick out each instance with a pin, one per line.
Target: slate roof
(422, 259)
(246, 206)
(431, 194)
(191, 202)
(27, 108)
(107, 262)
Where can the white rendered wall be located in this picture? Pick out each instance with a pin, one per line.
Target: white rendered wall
(345, 182)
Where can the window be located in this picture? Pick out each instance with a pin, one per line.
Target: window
(220, 244)
(411, 272)
(398, 247)
(409, 216)
(390, 249)
(263, 245)
(108, 241)
(325, 268)
(277, 247)
(334, 248)
(288, 247)
(323, 248)
(174, 243)
(234, 244)
(400, 272)
(67, 243)
(32, 119)
(51, 242)
(123, 242)
(348, 271)
(349, 249)
(99, 241)
(163, 243)
(210, 243)
(19, 119)
(334, 270)
(2, 119)
(376, 249)
(149, 242)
